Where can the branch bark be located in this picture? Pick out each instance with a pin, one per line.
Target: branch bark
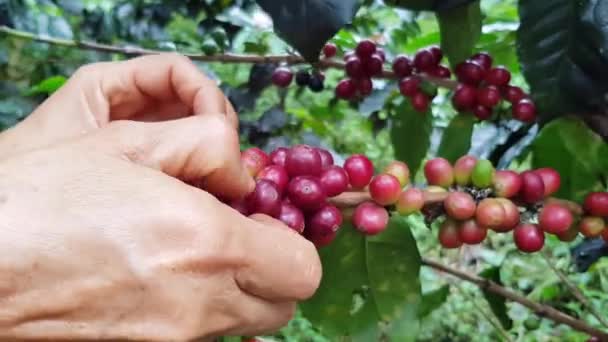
(541, 310)
(218, 58)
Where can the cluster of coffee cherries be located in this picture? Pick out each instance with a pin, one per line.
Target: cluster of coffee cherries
(474, 198)
(296, 185)
(483, 87)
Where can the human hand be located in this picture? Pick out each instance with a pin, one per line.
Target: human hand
(102, 241)
(149, 88)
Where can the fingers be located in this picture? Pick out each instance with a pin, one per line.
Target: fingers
(255, 316)
(280, 264)
(194, 149)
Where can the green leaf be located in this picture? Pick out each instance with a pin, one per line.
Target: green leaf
(563, 48)
(370, 286)
(460, 30)
(411, 135)
(307, 25)
(433, 300)
(456, 140)
(578, 154)
(497, 303)
(48, 86)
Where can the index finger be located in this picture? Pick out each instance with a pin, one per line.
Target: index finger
(150, 80)
(282, 265)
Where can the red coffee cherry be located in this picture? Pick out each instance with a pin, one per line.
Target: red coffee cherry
(330, 50)
(439, 172)
(327, 159)
(507, 183)
(483, 59)
(275, 174)
(488, 96)
(449, 237)
(498, 76)
(596, 204)
(512, 216)
(365, 86)
(303, 160)
(482, 112)
(410, 201)
(400, 170)
(402, 66)
(555, 219)
(282, 77)
(410, 86)
(513, 94)
(529, 238)
(385, 189)
(551, 179)
(533, 187)
(292, 217)
(254, 160)
(470, 72)
(463, 168)
(370, 218)
(354, 68)
(278, 156)
(524, 110)
(465, 98)
(420, 102)
(306, 193)
(471, 233)
(460, 206)
(360, 170)
(424, 60)
(334, 181)
(323, 225)
(366, 48)
(373, 65)
(265, 199)
(490, 213)
(592, 227)
(346, 89)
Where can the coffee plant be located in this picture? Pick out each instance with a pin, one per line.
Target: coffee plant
(447, 158)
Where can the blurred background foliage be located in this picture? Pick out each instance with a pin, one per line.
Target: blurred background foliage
(531, 38)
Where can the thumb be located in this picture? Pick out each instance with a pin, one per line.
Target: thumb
(198, 149)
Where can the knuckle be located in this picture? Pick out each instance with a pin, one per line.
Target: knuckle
(128, 135)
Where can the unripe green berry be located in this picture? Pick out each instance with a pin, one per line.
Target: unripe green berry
(483, 174)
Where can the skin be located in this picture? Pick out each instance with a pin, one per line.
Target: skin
(110, 224)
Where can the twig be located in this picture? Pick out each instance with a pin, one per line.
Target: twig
(541, 310)
(485, 315)
(575, 291)
(221, 58)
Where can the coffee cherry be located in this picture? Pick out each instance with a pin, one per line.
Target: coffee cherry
(265, 199)
(483, 174)
(410, 201)
(306, 193)
(465, 98)
(512, 216)
(402, 66)
(385, 189)
(439, 172)
(400, 170)
(365, 86)
(570, 235)
(327, 159)
(334, 181)
(254, 160)
(460, 206)
(328, 219)
(592, 226)
(463, 168)
(330, 50)
(373, 65)
(354, 68)
(381, 53)
(370, 218)
(420, 102)
(596, 204)
(302, 78)
(498, 76)
(360, 170)
(346, 89)
(507, 183)
(533, 187)
(437, 54)
(488, 96)
(410, 86)
(303, 160)
(316, 84)
(449, 236)
(524, 110)
(490, 213)
(471, 233)
(551, 179)
(441, 72)
(366, 49)
(483, 59)
(275, 174)
(555, 219)
(241, 206)
(292, 217)
(513, 94)
(424, 60)
(470, 73)
(482, 112)
(529, 238)
(279, 156)
(282, 77)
